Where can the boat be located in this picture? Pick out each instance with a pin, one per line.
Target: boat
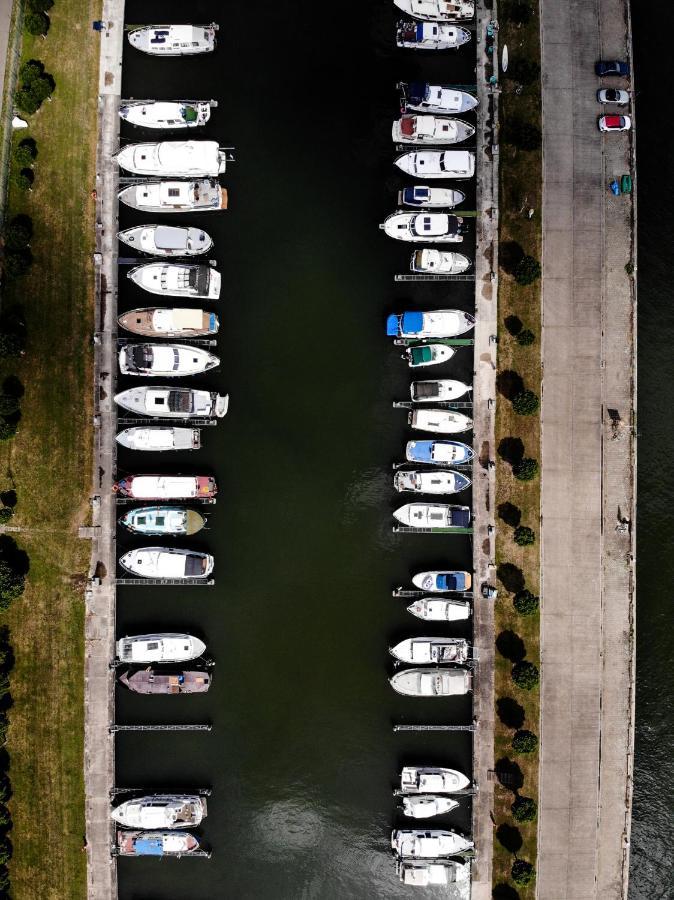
(439, 262)
(163, 520)
(157, 438)
(439, 581)
(504, 59)
(158, 321)
(433, 515)
(167, 240)
(438, 609)
(430, 482)
(165, 360)
(167, 647)
(425, 806)
(184, 159)
(433, 130)
(432, 780)
(444, 389)
(200, 195)
(440, 421)
(425, 874)
(156, 843)
(439, 323)
(437, 10)
(438, 453)
(431, 227)
(430, 35)
(167, 562)
(161, 811)
(174, 40)
(435, 650)
(430, 197)
(432, 682)
(437, 163)
(156, 681)
(428, 354)
(176, 280)
(444, 99)
(166, 487)
(173, 403)
(166, 114)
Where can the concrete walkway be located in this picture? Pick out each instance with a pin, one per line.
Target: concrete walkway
(5, 21)
(588, 483)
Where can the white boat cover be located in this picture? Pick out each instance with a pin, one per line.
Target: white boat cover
(177, 319)
(149, 487)
(167, 237)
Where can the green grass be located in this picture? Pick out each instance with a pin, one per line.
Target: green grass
(49, 464)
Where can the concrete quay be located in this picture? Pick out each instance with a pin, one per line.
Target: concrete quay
(589, 464)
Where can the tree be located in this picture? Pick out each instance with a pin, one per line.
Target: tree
(526, 603)
(526, 469)
(4, 684)
(8, 404)
(525, 742)
(524, 536)
(4, 879)
(22, 180)
(40, 5)
(528, 270)
(525, 338)
(12, 584)
(23, 156)
(7, 430)
(521, 134)
(525, 675)
(5, 817)
(17, 262)
(526, 403)
(524, 809)
(522, 872)
(6, 850)
(6, 513)
(36, 23)
(35, 85)
(18, 234)
(5, 787)
(524, 71)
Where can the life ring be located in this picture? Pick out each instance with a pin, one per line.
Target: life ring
(115, 488)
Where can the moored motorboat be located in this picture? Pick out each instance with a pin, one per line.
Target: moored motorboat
(437, 581)
(167, 114)
(439, 262)
(444, 99)
(432, 780)
(427, 355)
(439, 609)
(431, 844)
(167, 240)
(425, 806)
(434, 650)
(438, 453)
(430, 35)
(160, 520)
(174, 40)
(439, 323)
(167, 562)
(159, 321)
(433, 515)
(425, 197)
(432, 682)
(154, 438)
(438, 163)
(440, 421)
(444, 389)
(158, 681)
(419, 481)
(165, 360)
(164, 647)
(156, 843)
(173, 403)
(184, 159)
(424, 874)
(430, 227)
(176, 280)
(157, 811)
(166, 487)
(431, 130)
(438, 10)
(200, 195)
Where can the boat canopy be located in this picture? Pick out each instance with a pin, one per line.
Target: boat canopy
(421, 355)
(415, 195)
(423, 390)
(149, 847)
(448, 581)
(435, 225)
(170, 238)
(423, 451)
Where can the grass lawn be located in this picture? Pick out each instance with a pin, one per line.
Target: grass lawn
(49, 465)
(520, 186)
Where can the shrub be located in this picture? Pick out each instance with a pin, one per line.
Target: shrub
(36, 23)
(22, 180)
(35, 85)
(525, 675)
(4, 879)
(5, 817)
(522, 872)
(8, 498)
(524, 536)
(524, 809)
(526, 469)
(521, 134)
(523, 70)
(519, 12)
(22, 155)
(526, 603)
(6, 850)
(6, 514)
(11, 344)
(12, 584)
(17, 262)
(528, 270)
(4, 684)
(525, 742)
(40, 5)
(526, 403)
(8, 404)
(525, 338)
(18, 233)
(5, 787)
(7, 430)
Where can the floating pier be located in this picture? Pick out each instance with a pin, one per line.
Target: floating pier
(418, 276)
(115, 728)
(154, 582)
(470, 728)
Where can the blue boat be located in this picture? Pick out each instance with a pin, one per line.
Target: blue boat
(440, 581)
(438, 323)
(156, 843)
(438, 453)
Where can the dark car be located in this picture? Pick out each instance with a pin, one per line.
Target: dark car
(611, 67)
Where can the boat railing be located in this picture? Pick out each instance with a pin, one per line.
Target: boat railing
(157, 420)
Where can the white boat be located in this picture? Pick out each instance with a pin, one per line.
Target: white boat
(161, 811)
(433, 130)
(438, 453)
(443, 389)
(165, 360)
(432, 780)
(434, 650)
(167, 240)
(166, 487)
(426, 197)
(155, 843)
(439, 421)
(162, 520)
(166, 647)
(439, 262)
(438, 163)
(175, 280)
(200, 195)
(184, 159)
(437, 323)
(419, 481)
(432, 682)
(430, 227)
(444, 99)
(174, 40)
(166, 113)
(158, 321)
(431, 35)
(173, 403)
(427, 355)
(438, 609)
(167, 562)
(155, 438)
(444, 580)
(433, 515)
(425, 874)
(425, 806)
(437, 10)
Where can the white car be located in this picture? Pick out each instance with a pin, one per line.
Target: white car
(613, 95)
(614, 123)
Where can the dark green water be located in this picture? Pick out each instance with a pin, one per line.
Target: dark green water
(302, 757)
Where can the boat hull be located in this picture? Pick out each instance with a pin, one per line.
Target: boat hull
(156, 439)
(439, 421)
(167, 811)
(413, 36)
(166, 487)
(167, 562)
(165, 360)
(429, 844)
(158, 322)
(445, 132)
(164, 115)
(425, 806)
(167, 241)
(438, 453)
(156, 843)
(200, 195)
(431, 650)
(162, 520)
(432, 780)
(167, 647)
(156, 681)
(456, 164)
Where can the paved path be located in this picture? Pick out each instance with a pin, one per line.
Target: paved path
(587, 565)
(5, 20)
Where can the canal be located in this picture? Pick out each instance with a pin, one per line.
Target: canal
(302, 758)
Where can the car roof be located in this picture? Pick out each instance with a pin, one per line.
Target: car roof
(613, 121)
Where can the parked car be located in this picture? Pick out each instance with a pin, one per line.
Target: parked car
(613, 95)
(611, 67)
(615, 123)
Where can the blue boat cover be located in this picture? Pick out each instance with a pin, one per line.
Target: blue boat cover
(148, 847)
(417, 91)
(412, 322)
(448, 581)
(393, 326)
(420, 32)
(461, 517)
(413, 196)
(423, 451)
(212, 322)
